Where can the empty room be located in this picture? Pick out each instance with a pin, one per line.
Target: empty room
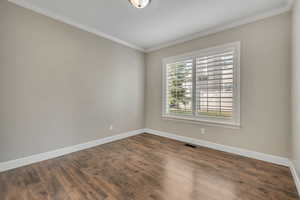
(149, 100)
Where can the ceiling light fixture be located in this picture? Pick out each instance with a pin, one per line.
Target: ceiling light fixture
(140, 3)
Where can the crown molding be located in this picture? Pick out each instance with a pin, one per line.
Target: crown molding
(46, 12)
(274, 12)
(27, 5)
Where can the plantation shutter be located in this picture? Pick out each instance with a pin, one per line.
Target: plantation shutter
(203, 86)
(179, 87)
(215, 84)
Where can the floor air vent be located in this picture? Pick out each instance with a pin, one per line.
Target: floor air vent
(190, 145)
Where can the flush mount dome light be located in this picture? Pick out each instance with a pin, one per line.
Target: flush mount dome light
(140, 3)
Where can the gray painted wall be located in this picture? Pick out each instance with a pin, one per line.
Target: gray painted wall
(296, 87)
(265, 87)
(61, 86)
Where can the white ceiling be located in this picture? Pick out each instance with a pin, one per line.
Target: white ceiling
(163, 23)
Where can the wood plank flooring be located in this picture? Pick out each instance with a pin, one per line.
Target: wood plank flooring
(148, 167)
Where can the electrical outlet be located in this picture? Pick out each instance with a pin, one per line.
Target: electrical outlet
(203, 131)
(111, 127)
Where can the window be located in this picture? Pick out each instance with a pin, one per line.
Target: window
(203, 86)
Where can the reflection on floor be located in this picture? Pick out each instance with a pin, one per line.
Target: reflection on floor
(149, 167)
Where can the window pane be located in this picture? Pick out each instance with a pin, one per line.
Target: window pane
(179, 87)
(214, 85)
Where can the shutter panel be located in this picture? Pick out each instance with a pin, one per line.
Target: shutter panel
(214, 85)
(179, 82)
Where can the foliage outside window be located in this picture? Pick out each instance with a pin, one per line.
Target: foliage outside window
(203, 85)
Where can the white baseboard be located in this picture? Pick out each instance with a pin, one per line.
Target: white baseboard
(243, 152)
(295, 176)
(4, 166)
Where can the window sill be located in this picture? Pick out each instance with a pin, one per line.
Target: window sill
(200, 121)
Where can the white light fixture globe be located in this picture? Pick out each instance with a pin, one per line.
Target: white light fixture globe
(140, 3)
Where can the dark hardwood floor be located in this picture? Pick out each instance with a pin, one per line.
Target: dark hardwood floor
(148, 167)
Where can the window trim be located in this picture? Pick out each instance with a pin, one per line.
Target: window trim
(211, 120)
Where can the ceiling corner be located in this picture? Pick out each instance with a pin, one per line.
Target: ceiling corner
(55, 16)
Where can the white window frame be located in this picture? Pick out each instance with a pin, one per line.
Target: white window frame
(234, 121)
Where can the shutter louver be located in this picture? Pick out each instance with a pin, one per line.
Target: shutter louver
(203, 86)
(214, 85)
